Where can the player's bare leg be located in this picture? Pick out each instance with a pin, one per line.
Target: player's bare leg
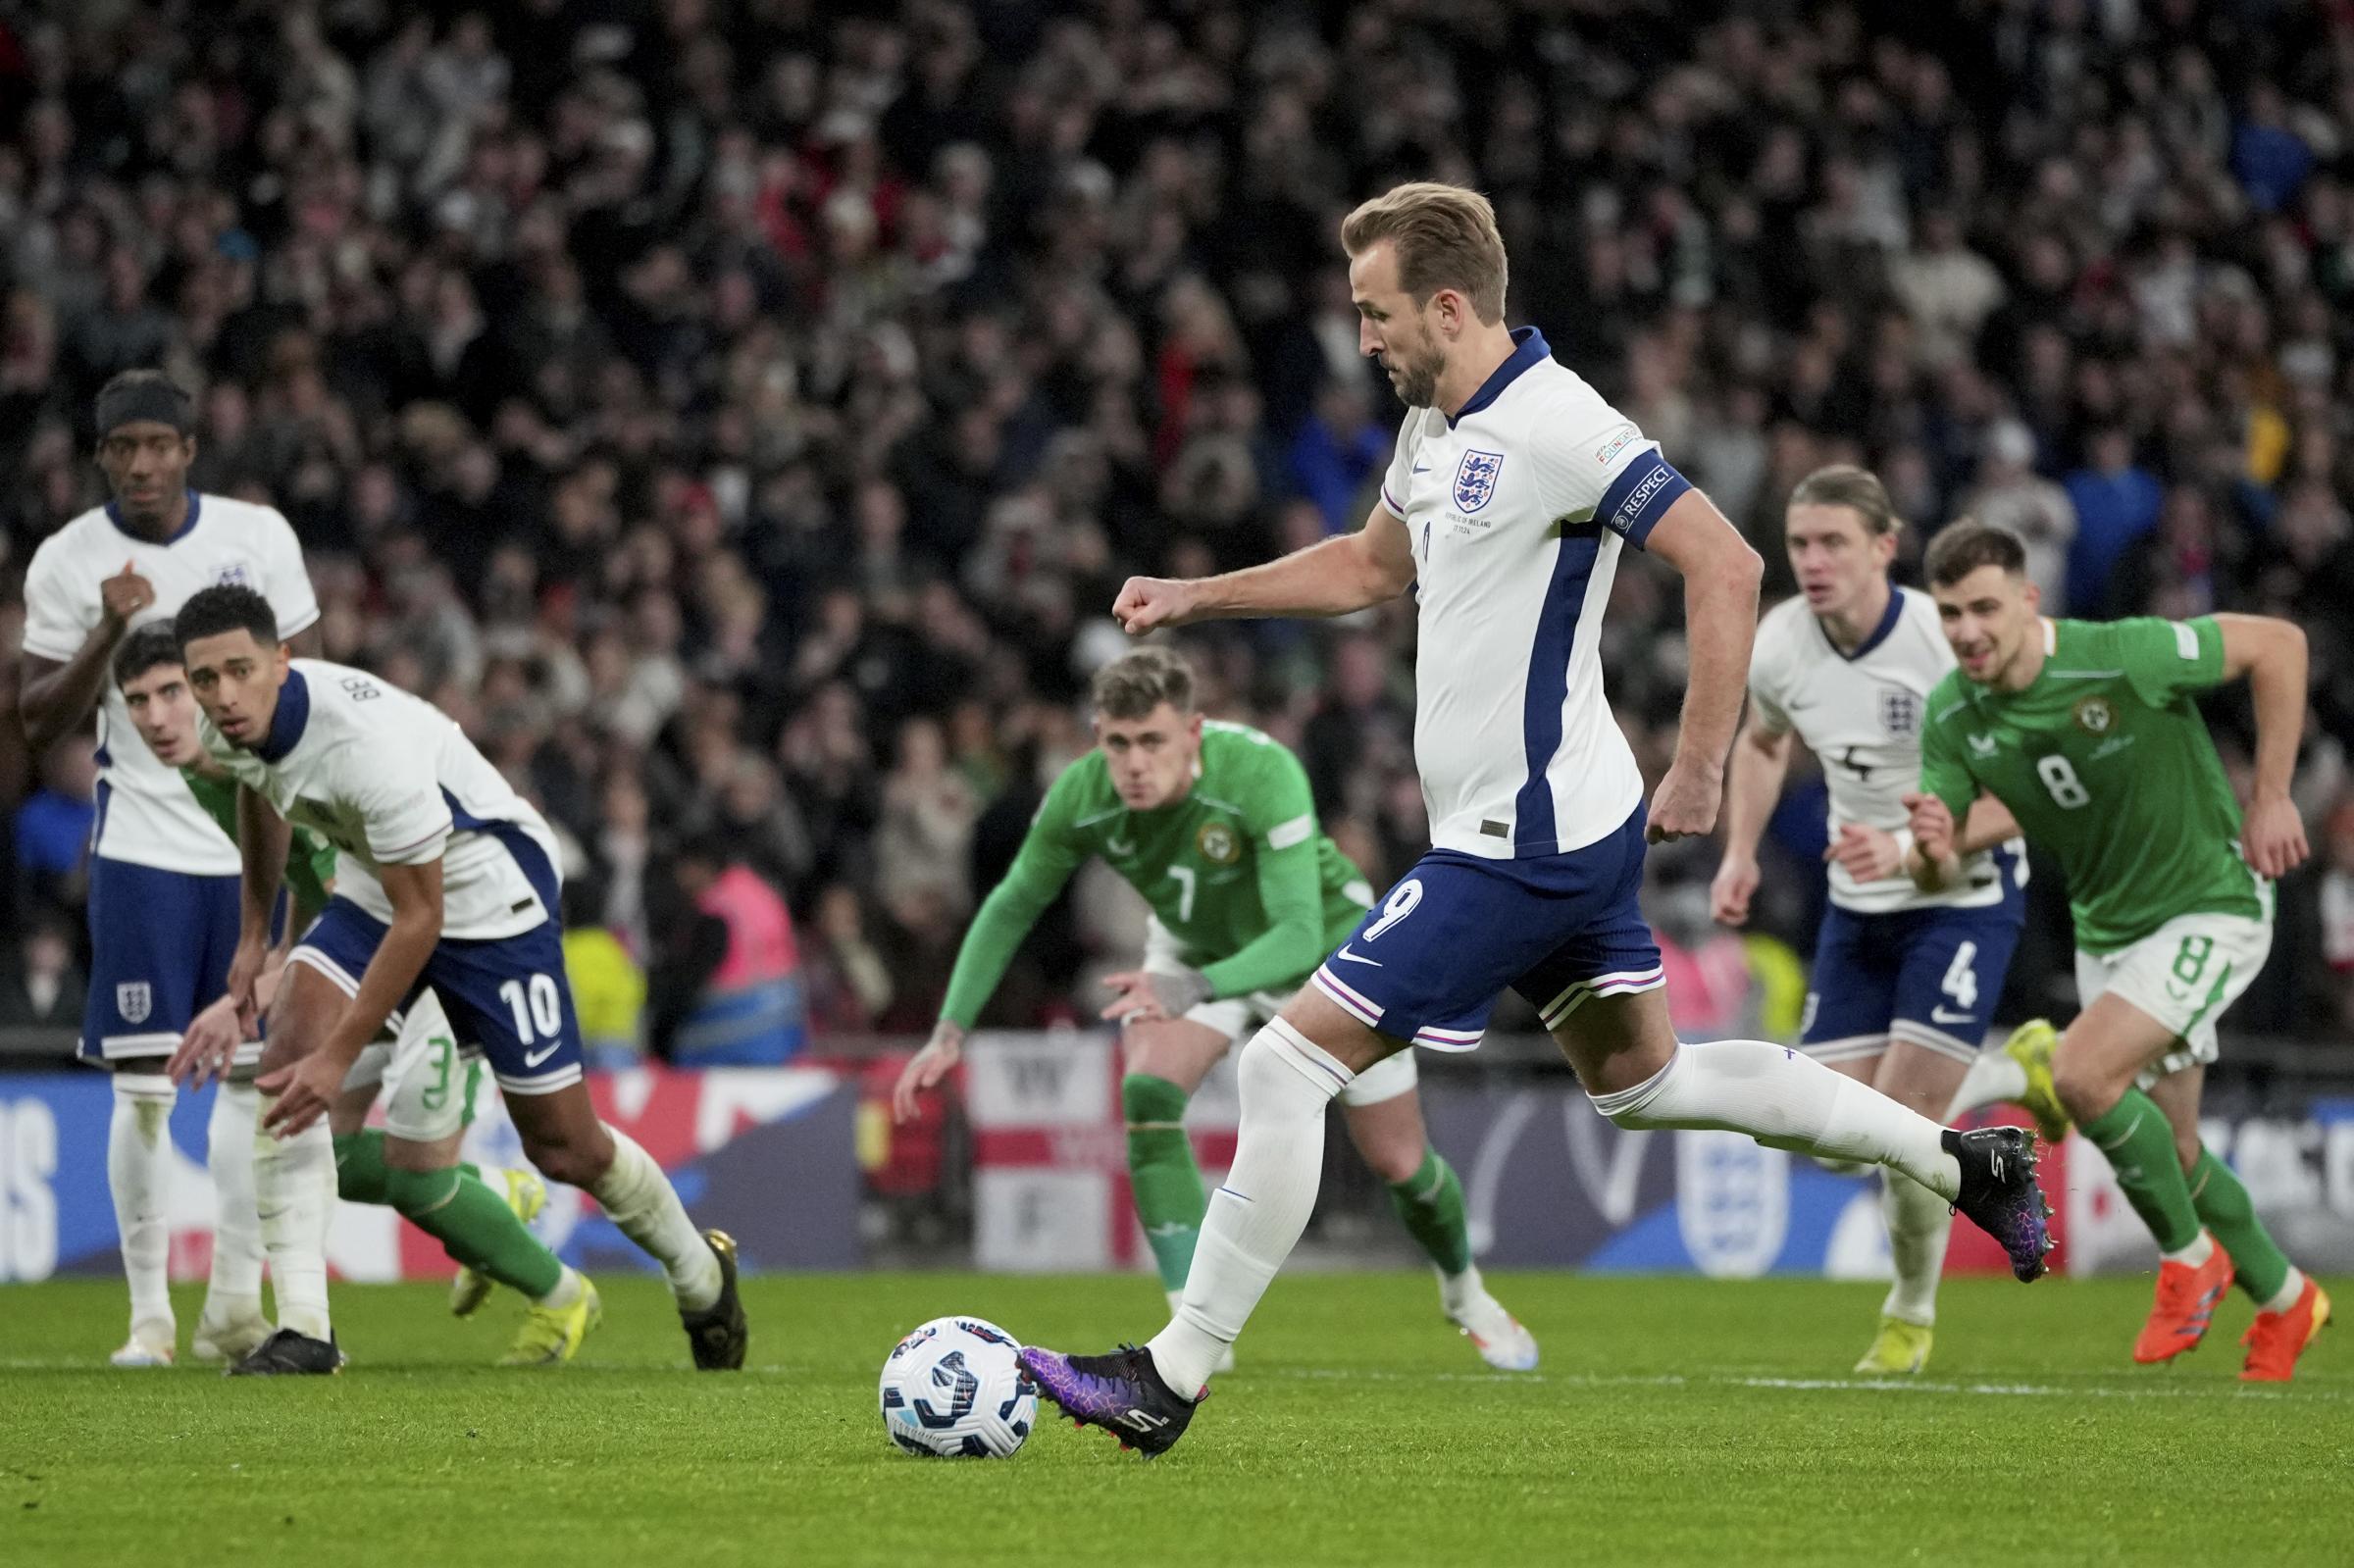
(1429, 1200)
(564, 1137)
(1625, 1053)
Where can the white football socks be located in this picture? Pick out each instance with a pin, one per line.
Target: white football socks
(1784, 1100)
(1994, 1078)
(139, 1146)
(235, 1291)
(1919, 1223)
(294, 1195)
(1255, 1218)
(645, 1208)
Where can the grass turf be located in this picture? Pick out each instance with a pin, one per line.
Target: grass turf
(1674, 1421)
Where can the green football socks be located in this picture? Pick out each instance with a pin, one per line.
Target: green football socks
(1430, 1205)
(2259, 1265)
(455, 1207)
(2140, 1147)
(1170, 1199)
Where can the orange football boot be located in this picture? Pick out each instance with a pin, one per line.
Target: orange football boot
(2277, 1338)
(2185, 1306)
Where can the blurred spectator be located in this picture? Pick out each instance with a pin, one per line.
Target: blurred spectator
(725, 988)
(42, 987)
(608, 988)
(2116, 502)
(740, 416)
(2337, 909)
(53, 825)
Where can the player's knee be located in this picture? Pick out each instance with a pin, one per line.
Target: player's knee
(417, 1193)
(2187, 1149)
(2087, 1095)
(568, 1162)
(1395, 1160)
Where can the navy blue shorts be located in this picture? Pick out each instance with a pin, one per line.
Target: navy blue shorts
(1427, 963)
(160, 944)
(1931, 977)
(507, 996)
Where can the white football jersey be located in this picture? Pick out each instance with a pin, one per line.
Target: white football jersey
(1861, 716)
(389, 779)
(1516, 509)
(145, 813)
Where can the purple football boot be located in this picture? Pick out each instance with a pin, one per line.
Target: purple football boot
(1999, 1192)
(1121, 1392)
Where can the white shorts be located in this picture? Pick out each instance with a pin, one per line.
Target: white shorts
(2184, 975)
(429, 1085)
(1237, 1017)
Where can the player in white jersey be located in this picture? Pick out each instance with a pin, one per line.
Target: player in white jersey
(162, 883)
(1905, 981)
(1514, 490)
(445, 877)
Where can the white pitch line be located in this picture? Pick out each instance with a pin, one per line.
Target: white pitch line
(1579, 1380)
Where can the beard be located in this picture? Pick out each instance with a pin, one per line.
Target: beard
(1415, 378)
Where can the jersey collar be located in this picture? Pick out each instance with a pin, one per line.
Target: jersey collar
(113, 515)
(1879, 632)
(1529, 350)
(287, 723)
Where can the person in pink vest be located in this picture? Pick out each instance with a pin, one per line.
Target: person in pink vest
(726, 990)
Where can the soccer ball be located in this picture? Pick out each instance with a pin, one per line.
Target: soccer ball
(953, 1390)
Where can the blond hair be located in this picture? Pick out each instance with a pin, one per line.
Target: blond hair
(1444, 237)
(1857, 489)
(1135, 684)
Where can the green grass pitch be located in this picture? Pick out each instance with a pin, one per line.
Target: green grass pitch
(1675, 1421)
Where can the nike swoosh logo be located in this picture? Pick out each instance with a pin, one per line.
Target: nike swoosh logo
(1938, 1015)
(1115, 846)
(535, 1059)
(1347, 957)
(1421, 468)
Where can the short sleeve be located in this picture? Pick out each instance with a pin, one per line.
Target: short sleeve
(1943, 771)
(1767, 697)
(1396, 481)
(286, 580)
(2162, 659)
(1613, 474)
(58, 612)
(400, 801)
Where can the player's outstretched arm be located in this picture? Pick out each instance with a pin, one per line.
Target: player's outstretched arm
(1721, 575)
(1760, 763)
(1046, 862)
(1338, 577)
(2271, 652)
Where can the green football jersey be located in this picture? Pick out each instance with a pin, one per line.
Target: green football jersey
(310, 859)
(1239, 871)
(2105, 761)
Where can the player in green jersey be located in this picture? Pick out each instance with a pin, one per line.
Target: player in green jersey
(412, 1167)
(1214, 826)
(2088, 734)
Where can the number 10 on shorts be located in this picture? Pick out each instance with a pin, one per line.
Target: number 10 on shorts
(538, 1005)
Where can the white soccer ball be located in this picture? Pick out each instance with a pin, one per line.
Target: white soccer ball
(953, 1390)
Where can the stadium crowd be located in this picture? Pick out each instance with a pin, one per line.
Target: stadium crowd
(740, 413)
